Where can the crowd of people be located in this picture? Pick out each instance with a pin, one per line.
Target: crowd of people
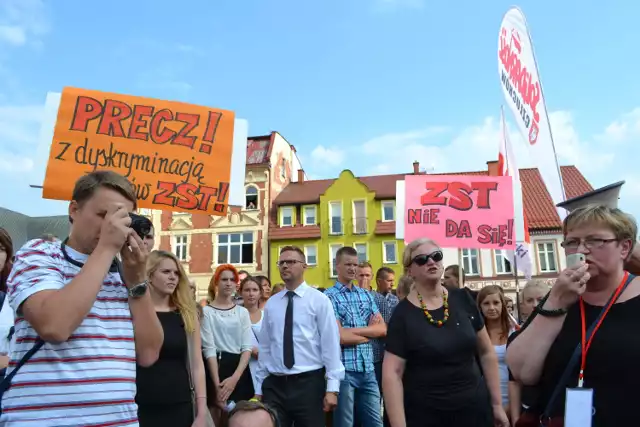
(99, 329)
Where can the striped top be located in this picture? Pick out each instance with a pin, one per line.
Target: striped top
(87, 381)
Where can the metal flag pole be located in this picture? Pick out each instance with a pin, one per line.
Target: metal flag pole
(515, 272)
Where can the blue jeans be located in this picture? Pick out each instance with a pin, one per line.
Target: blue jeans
(358, 390)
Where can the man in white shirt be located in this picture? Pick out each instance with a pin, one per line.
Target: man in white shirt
(299, 345)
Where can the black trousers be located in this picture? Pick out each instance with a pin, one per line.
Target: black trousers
(297, 399)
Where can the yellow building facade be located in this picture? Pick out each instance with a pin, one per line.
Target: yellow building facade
(322, 216)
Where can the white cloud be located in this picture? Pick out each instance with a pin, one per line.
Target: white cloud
(622, 130)
(15, 164)
(331, 156)
(13, 35)
(441, 150)
(22, 21)
(19, 128)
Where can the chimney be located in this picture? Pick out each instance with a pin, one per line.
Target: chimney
(416, 168)
(300, 175)
(492, 168)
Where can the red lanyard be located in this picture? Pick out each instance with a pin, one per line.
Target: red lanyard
(587, 344)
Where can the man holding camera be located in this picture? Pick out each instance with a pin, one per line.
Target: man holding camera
(92, 311)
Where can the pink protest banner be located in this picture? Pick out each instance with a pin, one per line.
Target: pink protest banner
(460, 211)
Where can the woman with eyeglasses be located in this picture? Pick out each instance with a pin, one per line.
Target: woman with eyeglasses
(584, 333)
(430, 377)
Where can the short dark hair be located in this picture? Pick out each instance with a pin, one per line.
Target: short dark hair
(87, 185)
(252, 406)
(244, 272)
(345, 250)
(261, 279)
(296, 249)
(383, 271)
(455, 269)
(365, 264)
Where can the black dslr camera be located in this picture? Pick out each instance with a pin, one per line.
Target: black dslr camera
(141, 225)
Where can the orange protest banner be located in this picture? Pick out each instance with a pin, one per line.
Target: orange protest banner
(177, 155)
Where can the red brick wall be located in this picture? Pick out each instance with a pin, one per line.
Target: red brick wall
(201, 253)
(165, 243)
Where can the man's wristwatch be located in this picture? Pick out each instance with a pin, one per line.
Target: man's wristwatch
(138, 290)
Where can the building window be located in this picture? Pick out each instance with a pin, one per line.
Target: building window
(181, 247)
(283, 169)
(503, 265)
(388, 211)
(335, 217)
(547, 257)
(286, 216)
(311, 255)
(309, 215)
(235, 248)
(389, 253)
(361, 248)
(359, 217)
(332, 262)
(470, 262)
(251, 198)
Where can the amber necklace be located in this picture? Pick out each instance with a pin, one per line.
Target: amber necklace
(445, 304)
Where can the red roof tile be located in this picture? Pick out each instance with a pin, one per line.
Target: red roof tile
(539, 208)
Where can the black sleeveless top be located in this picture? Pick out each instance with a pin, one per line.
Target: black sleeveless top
(612, 367)
(167, 380)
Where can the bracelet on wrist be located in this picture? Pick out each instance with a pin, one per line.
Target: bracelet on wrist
(554, 312)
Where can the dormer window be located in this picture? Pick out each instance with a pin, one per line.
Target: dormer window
(286, 216)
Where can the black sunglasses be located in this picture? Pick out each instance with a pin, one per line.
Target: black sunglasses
(423, 259)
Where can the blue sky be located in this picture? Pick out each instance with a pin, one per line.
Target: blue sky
(340, 79)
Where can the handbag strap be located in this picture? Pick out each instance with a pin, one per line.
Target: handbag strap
(189, 356)
(6, 382)
(568, 371)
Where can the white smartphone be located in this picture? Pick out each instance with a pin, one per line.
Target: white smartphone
(575, 260)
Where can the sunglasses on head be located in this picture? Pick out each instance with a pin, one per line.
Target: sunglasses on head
(421, 260)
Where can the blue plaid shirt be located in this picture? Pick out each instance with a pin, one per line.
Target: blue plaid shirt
(354, 308)
(386, 304)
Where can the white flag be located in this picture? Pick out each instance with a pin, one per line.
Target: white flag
(523, 91)
(520, 257)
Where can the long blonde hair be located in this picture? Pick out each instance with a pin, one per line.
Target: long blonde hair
(181, 297)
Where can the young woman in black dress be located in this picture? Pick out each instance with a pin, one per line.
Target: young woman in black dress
(164, 395)
(430, 377)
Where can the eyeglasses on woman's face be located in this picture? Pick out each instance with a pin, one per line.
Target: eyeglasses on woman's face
(423, 259)
(589, 243)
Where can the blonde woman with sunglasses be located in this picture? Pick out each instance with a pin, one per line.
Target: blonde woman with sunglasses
(430, 377)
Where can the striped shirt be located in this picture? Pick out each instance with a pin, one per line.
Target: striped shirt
(87, 381)
(354, 308)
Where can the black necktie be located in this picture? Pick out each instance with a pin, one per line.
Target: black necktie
(287, 347)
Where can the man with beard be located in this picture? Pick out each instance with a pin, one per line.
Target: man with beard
(299, 344)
